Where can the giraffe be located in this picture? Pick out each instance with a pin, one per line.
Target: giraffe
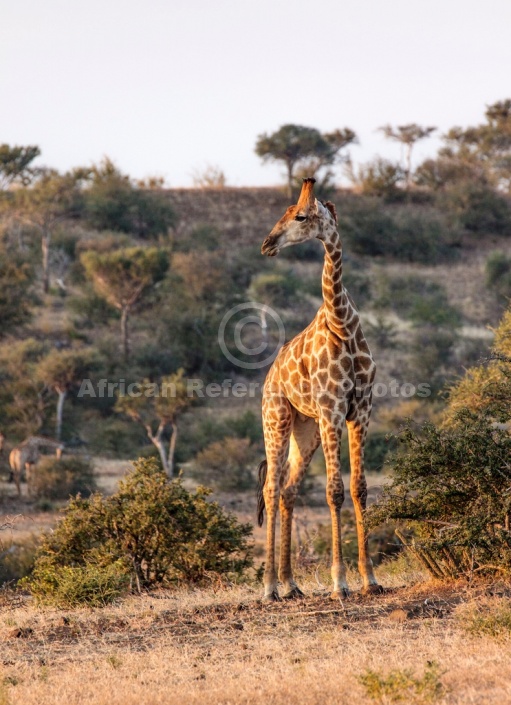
(26, 455)
(320, 381)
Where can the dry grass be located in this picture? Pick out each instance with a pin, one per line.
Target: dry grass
(225, 646)
(222, 645)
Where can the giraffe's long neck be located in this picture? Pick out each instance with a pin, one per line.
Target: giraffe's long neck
(342, 316)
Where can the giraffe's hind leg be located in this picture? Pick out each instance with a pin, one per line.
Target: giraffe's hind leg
(357, 431)
(304, 440)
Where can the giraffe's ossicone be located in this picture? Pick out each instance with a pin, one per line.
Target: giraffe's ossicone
(319, 382)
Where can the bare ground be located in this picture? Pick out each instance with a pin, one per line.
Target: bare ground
(224, 645)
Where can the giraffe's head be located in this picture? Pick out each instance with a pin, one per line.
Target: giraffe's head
(307, 220)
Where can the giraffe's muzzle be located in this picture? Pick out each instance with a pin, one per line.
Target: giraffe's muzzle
(270, 246)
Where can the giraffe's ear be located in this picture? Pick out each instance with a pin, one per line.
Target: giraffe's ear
(332, 210)
(307, 199)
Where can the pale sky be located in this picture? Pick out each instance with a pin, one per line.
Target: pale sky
(165, 87)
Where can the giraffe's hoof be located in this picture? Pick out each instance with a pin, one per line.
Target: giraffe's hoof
(272, 597)
(294, 594)
(373, 590)
(340, 594)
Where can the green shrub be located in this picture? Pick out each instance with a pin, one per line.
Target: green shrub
(419, 300)
(498, 275)
(227, 464)
(91, 309)
(398, 233)
(478, 208)
(58, 479)
(402, 685)
(381, 178)
(432, 355)
(115, 437)
(448, 489)
(204, 237)
(155, 529)
(92, 584)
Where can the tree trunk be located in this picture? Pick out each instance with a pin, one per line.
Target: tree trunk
(125, 340)
(45, 245)
(264, 322)
(408, 166)
(157, 440)
(60, 411)
(172, 450)
(163, 455)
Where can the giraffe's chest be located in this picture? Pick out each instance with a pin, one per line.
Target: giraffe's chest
(314, 372)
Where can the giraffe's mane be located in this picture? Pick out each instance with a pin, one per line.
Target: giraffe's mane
(332, 209)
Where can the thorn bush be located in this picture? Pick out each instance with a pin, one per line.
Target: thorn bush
(156, 532)
(452, 489)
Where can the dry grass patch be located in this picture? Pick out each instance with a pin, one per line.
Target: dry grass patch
(225, 646)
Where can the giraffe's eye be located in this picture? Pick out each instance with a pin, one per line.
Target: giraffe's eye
(300, 218)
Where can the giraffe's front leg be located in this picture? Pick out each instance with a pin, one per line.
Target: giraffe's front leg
(271, 503)
(331, 429)
(277, 423)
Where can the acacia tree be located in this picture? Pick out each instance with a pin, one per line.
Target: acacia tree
(157, 409)
(60, 371)
(407, 136)
(51, 199)
(123, 276)
(15, 164)
(297, 144)
(485, 148)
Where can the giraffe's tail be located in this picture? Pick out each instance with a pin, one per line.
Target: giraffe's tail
(262, 470)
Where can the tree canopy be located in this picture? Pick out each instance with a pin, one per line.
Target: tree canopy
(299, 145)
(15, 164)
(123, 276)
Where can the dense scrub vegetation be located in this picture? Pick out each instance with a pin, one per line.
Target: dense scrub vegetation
(451, 483)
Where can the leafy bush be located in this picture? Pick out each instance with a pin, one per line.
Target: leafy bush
(155, 529)
(447, 488)
(478, 208)
(381, 178)
(227, 464)
(58, 479)
(15, 297)
(498, 275)
(66, 586)
(402, 685)
(419, 300)
(401, 233)
(432, 355)
(91, 309)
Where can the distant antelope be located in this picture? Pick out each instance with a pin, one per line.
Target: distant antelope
(25, 456)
